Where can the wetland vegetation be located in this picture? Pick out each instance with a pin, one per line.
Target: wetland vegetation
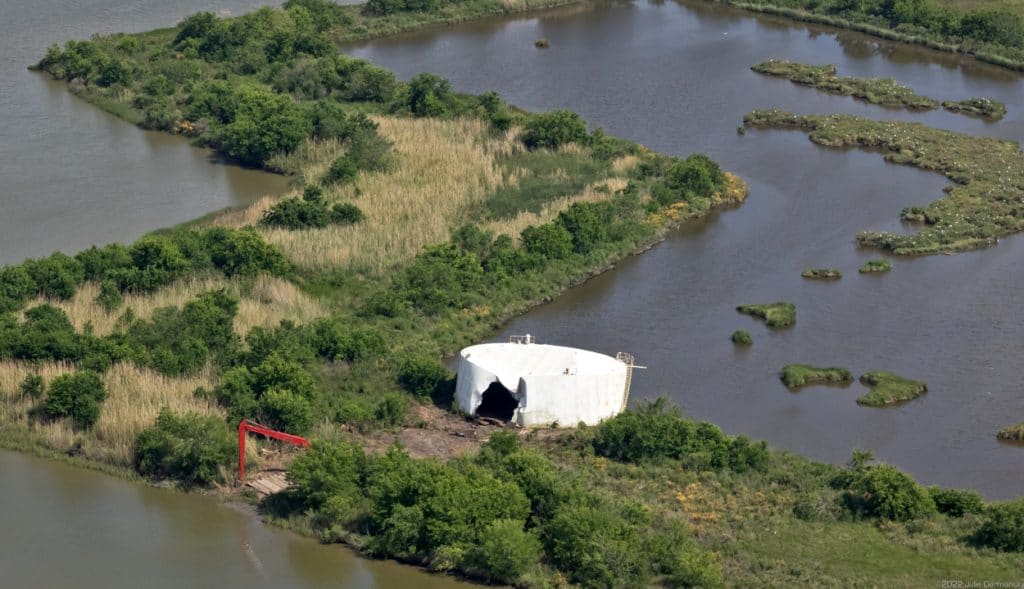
(888, 388)
(334, 327)
(881, 91)
(795, 376)
(875, 266)
(780, 314)
(822, 274)
(988, 30)
(985, 202)
(742, 337)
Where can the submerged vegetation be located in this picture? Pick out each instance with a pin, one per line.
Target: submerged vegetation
(779, 314)
(795, 376)
(881, 91)
(872, 266)
(888, 388)
(822, 274)
(985, 202)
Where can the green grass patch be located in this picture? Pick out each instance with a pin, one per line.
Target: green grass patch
(881, 91)
(542, 176)
(778, 314)
(888, 388)
(880, 265)
(795, 376)
(983, 203)
(985, 108)
(822, 274)
(741, 337)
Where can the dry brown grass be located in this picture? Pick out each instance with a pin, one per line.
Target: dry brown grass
(134, 398)
(441, 169)
(268, 302)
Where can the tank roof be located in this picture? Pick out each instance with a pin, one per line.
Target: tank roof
(540, 359)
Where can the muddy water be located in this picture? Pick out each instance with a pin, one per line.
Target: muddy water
(72, 175)
(67, 527)
(676, 78)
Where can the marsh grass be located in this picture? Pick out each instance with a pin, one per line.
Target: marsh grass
(134, 397)
(795, 376)
(881, 91)
(536, 178)
(888, 388)
(985, 108)
(875, 266)
(983, 203)
(264, 301)
(778, 314)
(442, 170)
(1013, 433)
(822, 274)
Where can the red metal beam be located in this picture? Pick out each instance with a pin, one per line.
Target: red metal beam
(245, 426)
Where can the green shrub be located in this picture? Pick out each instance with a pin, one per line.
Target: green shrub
(551, 240)
(422, 376)
(190, 448)
(596, 547)
(367, 150)
(888, 388)
(78, 395)
(884, 492)
(956, 502)
(326, 470)
(16, 286)
(431, 96)
(295, 213)
(442, 278)
(33, 387)
(56, 276)
(587, 225)
(742, 337)
(654, 431)
(553, 129)
(46, 334)
(1003, 528)
(697, 175)
(341, 171)
(109, 296)
(504, 551)
(287, 411)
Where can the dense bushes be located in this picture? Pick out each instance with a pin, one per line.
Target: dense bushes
(653, 431)
(306, 213)
(884, 492)
(956, 502)
(493, 516)
(1003, 527)
(553, 129)
(79, 395)
(190, 448)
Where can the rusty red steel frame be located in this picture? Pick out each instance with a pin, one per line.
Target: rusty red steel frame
(246, 426)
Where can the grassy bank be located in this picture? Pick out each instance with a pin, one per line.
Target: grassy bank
(882, 91)
(992, 32)
(981, 205)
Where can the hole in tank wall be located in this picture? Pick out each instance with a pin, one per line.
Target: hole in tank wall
(497, 402)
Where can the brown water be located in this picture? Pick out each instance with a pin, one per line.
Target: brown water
(62, 526)
(676, 78)
(72, 175)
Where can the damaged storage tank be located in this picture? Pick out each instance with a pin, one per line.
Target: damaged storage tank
(534, 384)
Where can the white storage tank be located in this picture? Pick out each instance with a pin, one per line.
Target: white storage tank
(533, 384)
